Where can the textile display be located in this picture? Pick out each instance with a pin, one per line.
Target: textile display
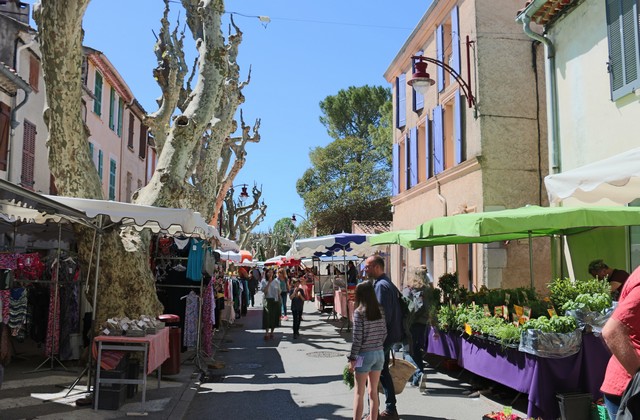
(190, 338)
(196, 259)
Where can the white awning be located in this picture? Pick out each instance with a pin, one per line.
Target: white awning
(615, 179)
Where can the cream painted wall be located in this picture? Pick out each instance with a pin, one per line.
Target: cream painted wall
(592, 127)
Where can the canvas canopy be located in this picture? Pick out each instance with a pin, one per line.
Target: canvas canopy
(615, 179)
(338, 244)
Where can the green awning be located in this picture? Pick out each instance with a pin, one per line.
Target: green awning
(395, 237)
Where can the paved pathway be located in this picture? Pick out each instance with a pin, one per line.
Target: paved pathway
(288, 378)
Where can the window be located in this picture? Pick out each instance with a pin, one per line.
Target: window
(144, 134)
(5, 128)
(130, 137)
(395, 186)
(100, 164)
(97, 92)
(449, 148)
(112, 109)
(418, 98)
(28, 154)
(34, 72)
(622, 27)
(112, 179)
(401, 101)
(91, 153)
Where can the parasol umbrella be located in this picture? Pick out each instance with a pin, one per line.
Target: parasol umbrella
(345, 244)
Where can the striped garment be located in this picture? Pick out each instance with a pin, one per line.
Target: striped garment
(367, 335)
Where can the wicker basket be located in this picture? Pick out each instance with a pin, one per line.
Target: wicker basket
(401, 371)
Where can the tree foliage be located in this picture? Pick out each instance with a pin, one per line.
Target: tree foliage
(349, 178)
(283, 235)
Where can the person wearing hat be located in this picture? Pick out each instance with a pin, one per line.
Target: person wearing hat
(614, 276)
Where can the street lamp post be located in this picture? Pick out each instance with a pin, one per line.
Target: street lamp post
(421, 80)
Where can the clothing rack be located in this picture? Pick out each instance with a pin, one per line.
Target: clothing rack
(177, 286)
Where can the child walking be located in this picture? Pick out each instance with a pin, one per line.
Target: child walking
(297, 304)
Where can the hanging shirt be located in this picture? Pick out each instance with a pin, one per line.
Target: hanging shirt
(196, 259)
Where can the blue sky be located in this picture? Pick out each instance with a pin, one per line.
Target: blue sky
(308, 51)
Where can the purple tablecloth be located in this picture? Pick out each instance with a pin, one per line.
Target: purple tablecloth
(541, 378)
(443, 343)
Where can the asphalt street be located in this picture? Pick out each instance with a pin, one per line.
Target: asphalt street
(287, 378)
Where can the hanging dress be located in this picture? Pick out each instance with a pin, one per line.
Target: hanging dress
(190, 338)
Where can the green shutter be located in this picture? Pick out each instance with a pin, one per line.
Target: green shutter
(97, 92)
(112, 105)
(120, 116)
(622, 28)
(112, 179)
(100, 164)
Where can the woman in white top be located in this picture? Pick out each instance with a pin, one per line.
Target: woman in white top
(271, 305)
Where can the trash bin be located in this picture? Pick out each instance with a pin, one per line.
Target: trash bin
(171, 366)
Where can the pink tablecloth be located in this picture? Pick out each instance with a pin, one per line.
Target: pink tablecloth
(340, 304)
(158, 346)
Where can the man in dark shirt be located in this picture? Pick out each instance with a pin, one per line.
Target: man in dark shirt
(616, 278)
(389, 298)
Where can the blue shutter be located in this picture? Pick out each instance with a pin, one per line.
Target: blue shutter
(428, 148)
(418, 98)
(440, 55)
(407, 162)
(622, 27)
(413, 149)
(120, 116)
(438, 140)
(401, 101)
(455, 40)
(395, 165)
(91, 152)
(457, 127)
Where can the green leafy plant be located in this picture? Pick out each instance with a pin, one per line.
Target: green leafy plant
(564, 290)
(592, 302)
(448, 283)
(446, 318)
(555, 324)
(507, 333)
(347, 377)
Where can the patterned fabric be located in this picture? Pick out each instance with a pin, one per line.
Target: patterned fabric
(9, 261)
(208, 306)
(190, 338)
(18, 313)
(52, 346)
(4, 295)
(29, 266)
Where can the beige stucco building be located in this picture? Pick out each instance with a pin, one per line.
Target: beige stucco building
(593, 67)
(450, 157)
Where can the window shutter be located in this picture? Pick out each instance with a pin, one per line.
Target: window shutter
(407, 162)
(112, 179)
(112, 108)
(91, 153)
(395, 168)
(120, 117)
(413, 140)
(418, 98)
(428, 148)
(401, 101)
(5, 128)
(455, 40)
(457, 128)
(622, 27)
(97, 92)
(100, 164)
(28, 154)
(440, 55)
(438, 140)
(144, 134)
(34, 72)
(130, 138)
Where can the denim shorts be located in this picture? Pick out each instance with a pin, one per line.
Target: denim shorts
(373, 360)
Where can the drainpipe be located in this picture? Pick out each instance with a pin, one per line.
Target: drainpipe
(552, 89)
(27, 90)
(444, 207)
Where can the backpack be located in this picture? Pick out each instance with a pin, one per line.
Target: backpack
(405, 308)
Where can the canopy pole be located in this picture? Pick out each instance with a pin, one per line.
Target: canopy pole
(95, 301)
(531, 260)
(567, 256)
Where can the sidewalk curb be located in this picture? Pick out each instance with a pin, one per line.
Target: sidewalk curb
(187, 394)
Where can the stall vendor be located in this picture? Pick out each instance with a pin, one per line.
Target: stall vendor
(614, 276)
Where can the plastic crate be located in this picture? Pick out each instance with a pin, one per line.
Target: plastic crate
(111, 398)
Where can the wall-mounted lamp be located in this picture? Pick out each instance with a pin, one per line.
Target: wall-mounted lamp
(421, 80)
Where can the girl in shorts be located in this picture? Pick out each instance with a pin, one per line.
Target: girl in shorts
(367, 356)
